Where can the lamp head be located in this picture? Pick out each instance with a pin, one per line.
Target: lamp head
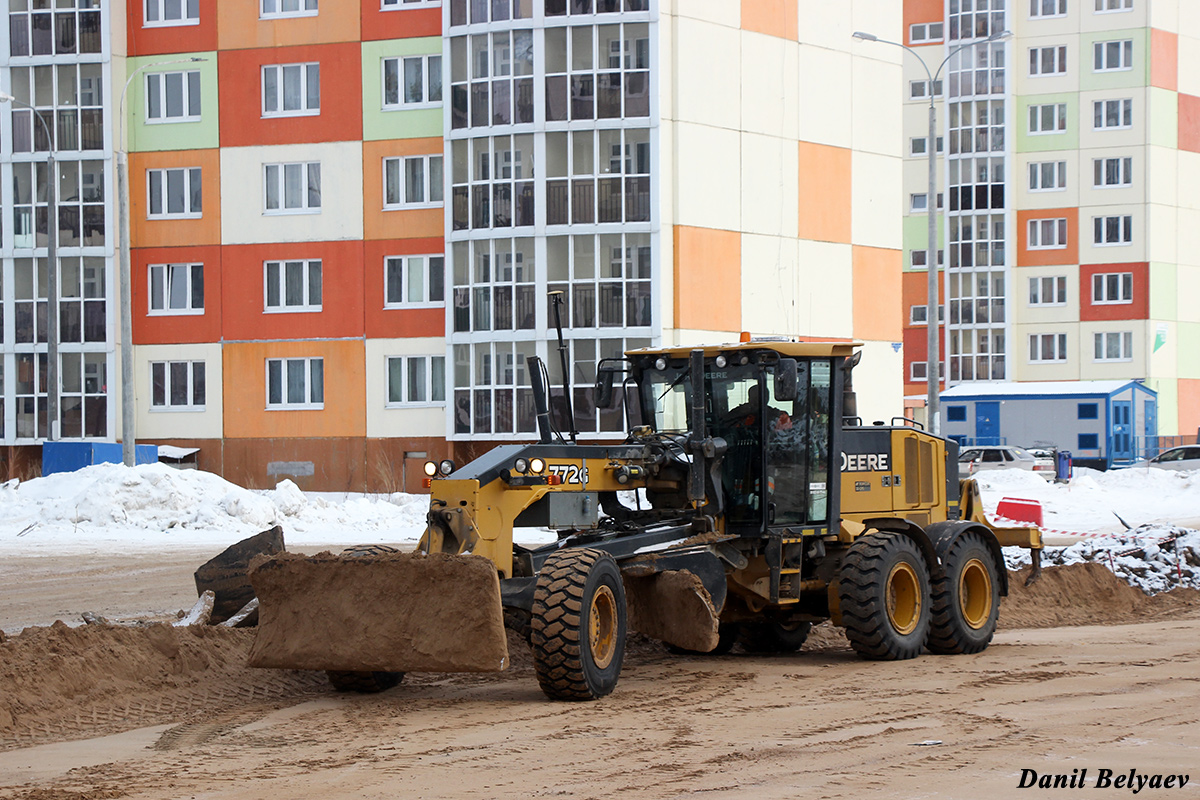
(5, 97)
(866, 37)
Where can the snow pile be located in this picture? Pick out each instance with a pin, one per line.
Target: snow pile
(153, 505)
(1154, 558)
(1092, 501)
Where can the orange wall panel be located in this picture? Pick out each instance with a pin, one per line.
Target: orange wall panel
(1189, 406)
(243, 287)
(398, 23)
(239, 27)
(1138, 309)
(1189, 122)
(772, 17)
(920, 11)
(394, 323)
(175, 232)
(1038, 258)
(877, 284)
(176, 328)
(245, 391)
(1164, 59)
(153, 41)
(824, 193)
(708, 279)
(242, 121)
(417, 223)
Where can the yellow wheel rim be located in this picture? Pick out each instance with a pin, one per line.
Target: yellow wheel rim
(602, 627)
(903, 592)
(975, 593)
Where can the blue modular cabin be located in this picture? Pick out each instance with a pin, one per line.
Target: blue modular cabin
(1102, 423)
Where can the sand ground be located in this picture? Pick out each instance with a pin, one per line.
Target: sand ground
(820, 723)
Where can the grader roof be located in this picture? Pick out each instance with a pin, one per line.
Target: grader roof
(784, 348)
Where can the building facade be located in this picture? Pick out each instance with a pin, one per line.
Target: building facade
(354, 221)
(1064, 163)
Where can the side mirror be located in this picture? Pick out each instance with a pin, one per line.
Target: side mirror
(786, 380)
(604, 388)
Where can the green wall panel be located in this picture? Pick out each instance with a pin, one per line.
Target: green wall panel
(1090, 80)
(1046, 142)
(201, 135)
(416, 123)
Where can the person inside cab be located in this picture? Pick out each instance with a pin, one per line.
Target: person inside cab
(746, 414)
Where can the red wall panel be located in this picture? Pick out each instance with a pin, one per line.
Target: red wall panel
(399, 23)
(161, 40)
(172, 328)
(341, 313)
(1138, 309)
(242, 122)
(394, 323)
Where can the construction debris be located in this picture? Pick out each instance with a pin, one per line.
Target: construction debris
(199, 614)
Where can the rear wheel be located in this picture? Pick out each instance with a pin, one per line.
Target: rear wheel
(364, 682)
(885, 597)
(774, 636)
(966, 601)
(578, 625)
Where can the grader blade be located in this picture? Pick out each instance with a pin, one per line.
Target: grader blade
(402, 612)
(674, 607)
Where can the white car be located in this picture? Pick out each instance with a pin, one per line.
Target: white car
(1177, 458)
(977, 459)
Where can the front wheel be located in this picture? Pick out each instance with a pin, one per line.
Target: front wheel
(885, 597)
(966, 600)
(578, 625)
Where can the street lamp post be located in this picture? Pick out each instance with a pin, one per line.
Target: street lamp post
(52, 424)
(933, 303)
(128, 432)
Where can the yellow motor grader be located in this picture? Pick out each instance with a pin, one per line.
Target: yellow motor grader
(747, 503)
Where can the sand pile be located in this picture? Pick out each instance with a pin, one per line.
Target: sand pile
(1086, 594)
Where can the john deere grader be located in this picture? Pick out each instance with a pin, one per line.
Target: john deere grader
(763, 504)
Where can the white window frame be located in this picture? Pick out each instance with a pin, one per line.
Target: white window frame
(921, 317)
(190, 174)
(919, 202)
(1099, 122)
(274, 9)
(1100, 172)
(160, 6)
(1036, 55)
(429, 389)
(912, 145)
(923, 367)
(1036, 114)
(1037, 172)
(918, 90)
(1100, 341)
(398, 63)
(1038, 229)
(1057, 285)
(396, 5)
(308, 404)
(919, 259)
(280, 269)
(1035, 351)
(1100, 231)
(1037, 9)
(1124, 56)
(169, 407)
(399, 178)
(277, 174)
(405, 263)
(1107, 6)
(166, 280)
(926, 30)
(189, 114)
(1100, 288)
(305, 78)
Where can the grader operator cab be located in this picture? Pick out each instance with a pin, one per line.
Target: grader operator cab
(747, 503)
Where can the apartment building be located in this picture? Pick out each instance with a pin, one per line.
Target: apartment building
(350, 218)
(1067, 161)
